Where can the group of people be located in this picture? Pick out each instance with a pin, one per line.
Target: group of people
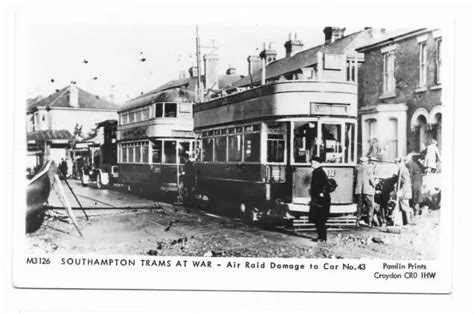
(402, 191)
(399, 198)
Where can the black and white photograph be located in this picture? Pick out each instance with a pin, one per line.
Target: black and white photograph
(239, 152)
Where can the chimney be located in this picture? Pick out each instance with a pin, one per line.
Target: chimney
(293, 46)
(73, 96)
(332, 34)
(375, 32)
(254, 64)
(231, 71)
(193, 71)
(269, 55)
(210, 71)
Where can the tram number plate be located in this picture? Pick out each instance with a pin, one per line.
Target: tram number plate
(331, 173)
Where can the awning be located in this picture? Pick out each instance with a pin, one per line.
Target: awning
(53, 136)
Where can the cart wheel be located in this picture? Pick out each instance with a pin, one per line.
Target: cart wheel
(98, 182)
(83, 180)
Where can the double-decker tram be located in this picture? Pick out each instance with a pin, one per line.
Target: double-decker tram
(257, 145)
(154, 133)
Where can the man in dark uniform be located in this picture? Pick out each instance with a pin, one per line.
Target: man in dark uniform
(320, 199)
(189, 179)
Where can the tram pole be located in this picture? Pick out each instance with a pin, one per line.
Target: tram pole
(198, 63)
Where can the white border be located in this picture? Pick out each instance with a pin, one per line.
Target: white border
(463, 269)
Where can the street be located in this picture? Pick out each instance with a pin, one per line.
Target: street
(167, 230)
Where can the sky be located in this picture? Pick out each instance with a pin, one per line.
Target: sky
(56, 53)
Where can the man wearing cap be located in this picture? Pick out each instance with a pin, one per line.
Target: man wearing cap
(365, 189)
(189, 179)
(404, 191)
(320, 199)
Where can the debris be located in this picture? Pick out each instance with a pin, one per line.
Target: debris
(214, 254)
(159, 245)
(152, 252)
(208, 254)
(377, 240)
(392, 230)
(169, 226)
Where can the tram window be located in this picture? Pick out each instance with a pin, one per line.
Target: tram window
(170, 152)
(275, 148)
(332, 143)
(130, 154)
(220, 144)
(350, 144)
(235, 147)
(207, 150)
(124, 154)
(305, 141)
(159, 110)
(157, 152)
(252, 147)
(170, 110)
(144, 151)
(137, 152)
(183, 148)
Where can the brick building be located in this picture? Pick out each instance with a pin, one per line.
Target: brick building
(400, 101)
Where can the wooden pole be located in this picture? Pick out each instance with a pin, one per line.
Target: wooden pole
(58, 188)
(74, 194)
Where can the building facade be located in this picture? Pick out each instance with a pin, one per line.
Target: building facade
(400, 102)
(66, 115)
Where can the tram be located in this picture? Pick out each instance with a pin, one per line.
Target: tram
(153, 134)
(257, 145)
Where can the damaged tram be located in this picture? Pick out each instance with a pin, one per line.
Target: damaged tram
(154, 132)
(257, 144)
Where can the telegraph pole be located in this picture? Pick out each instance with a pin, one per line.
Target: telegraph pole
(198, 57)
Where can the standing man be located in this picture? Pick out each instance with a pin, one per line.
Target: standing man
(320, 199)
(416, 176)
(189, 178)
(432, 157)
(404, 191)
(365, 189)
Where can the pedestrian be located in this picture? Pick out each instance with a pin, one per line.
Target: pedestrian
(432, 157)
(405, 190)
(416, 176)
(365, 190)
(320, 199)
(189, 178)
(63, 167)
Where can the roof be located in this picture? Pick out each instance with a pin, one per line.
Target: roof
(300, 60)
(393, 36)
(190, 84)
(60, 99)
(49, 135)
(169, 95)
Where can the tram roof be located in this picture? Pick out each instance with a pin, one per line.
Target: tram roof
(169, 95)
(305, 58)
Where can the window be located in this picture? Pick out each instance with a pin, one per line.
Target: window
(235, 147)
(156, 153)
(124, 153)
(170, 110)
(131, 117)
(392, 139)
(252, 143)
(137, 151)
(170, 152)
(144, 153)
(207, 149)
(422, 62)
(331, 149)
(220, 148)
(389, 72)
(276, 147)
(305, 141)
(159, 110)
(438, 62)
(350, 144)
(351, 68)
(184, 147)
(130, 153)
